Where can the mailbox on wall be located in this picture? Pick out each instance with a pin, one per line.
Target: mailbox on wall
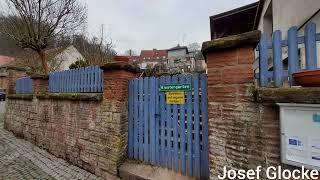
(300, 134)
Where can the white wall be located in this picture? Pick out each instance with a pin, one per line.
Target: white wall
(287, 13)
(68, 56)
(177, 53)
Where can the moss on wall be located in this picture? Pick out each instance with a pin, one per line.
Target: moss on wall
(72, 96)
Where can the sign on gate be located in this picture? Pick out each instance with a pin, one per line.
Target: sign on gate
(168, 123)
(175, 87)
(175, 97)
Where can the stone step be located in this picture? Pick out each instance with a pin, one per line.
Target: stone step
(139, 171)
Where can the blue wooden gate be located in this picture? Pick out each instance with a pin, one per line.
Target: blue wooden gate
(171, 136)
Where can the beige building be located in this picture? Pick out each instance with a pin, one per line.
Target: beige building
(281, 15)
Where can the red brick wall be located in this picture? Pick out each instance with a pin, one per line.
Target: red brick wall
(242, 134)
(90, 134)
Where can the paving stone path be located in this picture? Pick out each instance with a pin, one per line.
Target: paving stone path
(20, 159)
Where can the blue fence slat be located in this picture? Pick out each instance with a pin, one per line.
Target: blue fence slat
(277, 58)
(310, 45)
(157, 122)
(87, 79)
(97, 76)
(152, 112)
(204, 114)
(78, 80)
(64, 81)
(24, 85)
(169, 129)
(189, 129)
(91, 75)
(82, 80)
(263, 62)
(196, 126)
(172, 136)
(182, 134)
(130, 126)
(175, 131)
(141, 119)
(163, 124)
(146, 118)
(136, 121)
(293, 59)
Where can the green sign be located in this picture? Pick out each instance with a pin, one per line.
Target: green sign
(175, 87)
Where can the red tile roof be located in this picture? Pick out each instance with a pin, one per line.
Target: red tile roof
(153, 54)
(5, 60)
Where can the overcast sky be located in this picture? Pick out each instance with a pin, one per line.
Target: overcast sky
(147, 24)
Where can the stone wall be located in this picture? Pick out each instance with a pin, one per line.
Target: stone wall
(243, 134)
(88, 130)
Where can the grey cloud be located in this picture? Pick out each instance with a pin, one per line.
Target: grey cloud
(147, 24)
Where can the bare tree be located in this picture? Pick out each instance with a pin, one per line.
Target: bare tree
(96, 50)
(34, 23)
(130, 52)
(194, 46)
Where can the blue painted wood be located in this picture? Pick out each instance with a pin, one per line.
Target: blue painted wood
(176, 145)
(196, 125)
(152, 112)
(141, 119)
(146, 118)
(92, 85)
(77, 80)
(68, 81)
(182, 133)
(87, 79)
(136, 119)
(310, 45)
(204, 130)
(277, 59)
(293, 57)
(301, 40)
(189, 129)
(163, 124)
(157, 122)
(263, 61)
(24, 85)
(130, 126)
(169, 129)
(83, 77)
(175, 131)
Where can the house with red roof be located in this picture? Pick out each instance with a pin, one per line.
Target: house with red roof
(150, 58)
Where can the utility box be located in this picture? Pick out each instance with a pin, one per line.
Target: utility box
(300, 134)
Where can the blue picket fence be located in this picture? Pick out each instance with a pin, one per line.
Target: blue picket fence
(86, 79)
(24, 85)
(171, 136)
(279, 72)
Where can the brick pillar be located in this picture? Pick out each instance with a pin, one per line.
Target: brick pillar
(115, 92)
(13, 75)
(40, 83)
(233, 117)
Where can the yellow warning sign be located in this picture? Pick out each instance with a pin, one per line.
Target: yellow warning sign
(175, 98)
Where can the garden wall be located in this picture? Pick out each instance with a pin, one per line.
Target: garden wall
(86, 129)
(244, 125)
